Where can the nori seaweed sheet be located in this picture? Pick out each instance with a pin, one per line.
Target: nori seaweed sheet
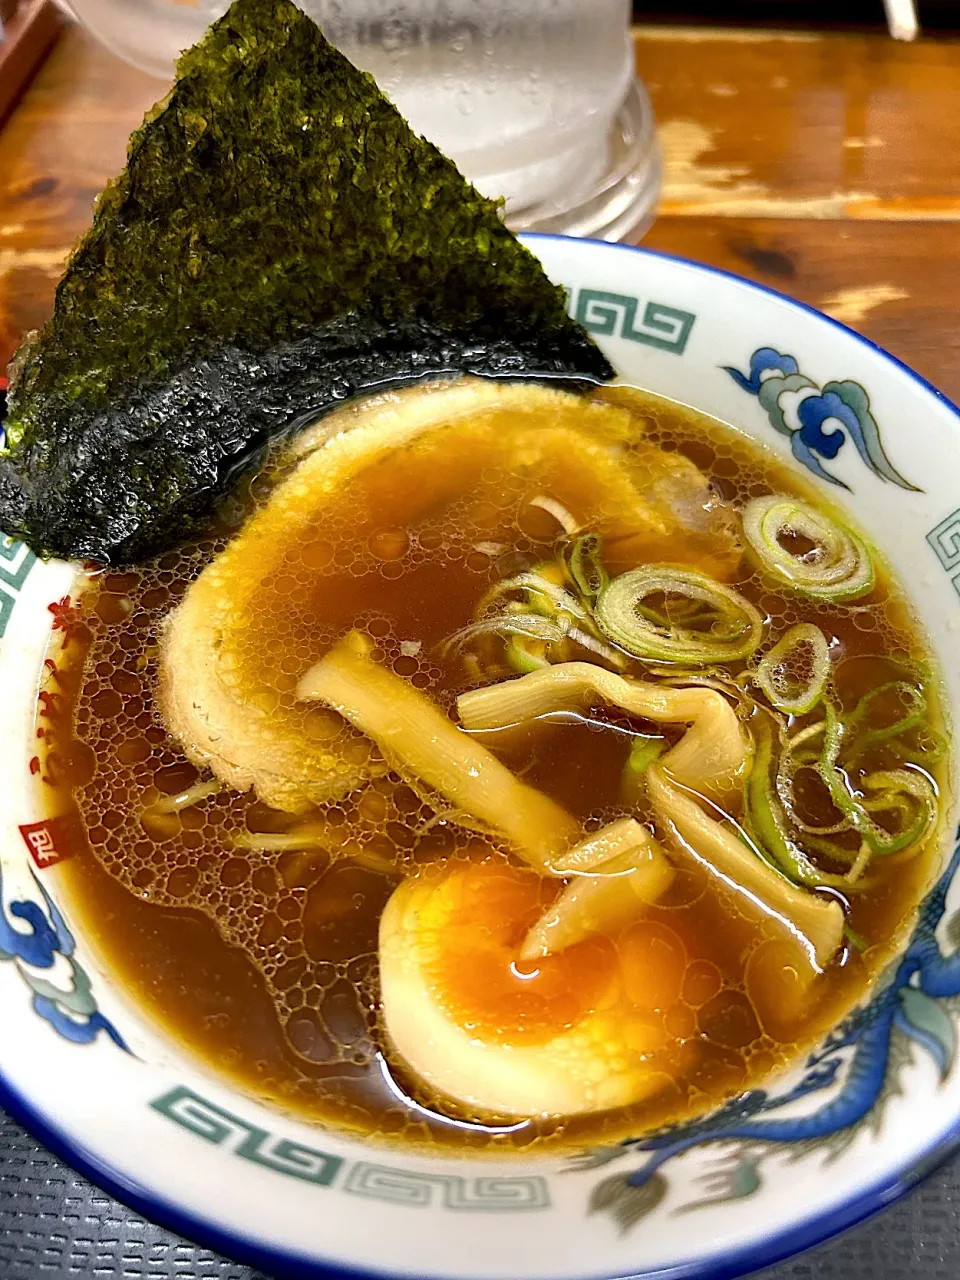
(279, 241)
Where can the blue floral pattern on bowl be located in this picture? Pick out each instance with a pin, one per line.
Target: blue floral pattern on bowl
(774, 375)
(72, 1009)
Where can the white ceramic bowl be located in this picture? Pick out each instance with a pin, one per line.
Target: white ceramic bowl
(778, 1170)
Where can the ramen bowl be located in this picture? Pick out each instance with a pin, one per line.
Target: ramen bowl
(820, 1146)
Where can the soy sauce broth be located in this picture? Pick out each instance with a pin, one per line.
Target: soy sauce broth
(262, 963)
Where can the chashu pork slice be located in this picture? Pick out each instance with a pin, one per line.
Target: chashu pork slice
(223, 704)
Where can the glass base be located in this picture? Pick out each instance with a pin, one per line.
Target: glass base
(622, 202)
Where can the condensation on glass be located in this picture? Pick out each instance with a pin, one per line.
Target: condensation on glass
(535, 100)
(521, 95)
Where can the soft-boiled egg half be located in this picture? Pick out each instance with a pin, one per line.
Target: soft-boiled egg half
(578, 1031)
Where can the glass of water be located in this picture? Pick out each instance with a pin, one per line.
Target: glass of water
(535, 100)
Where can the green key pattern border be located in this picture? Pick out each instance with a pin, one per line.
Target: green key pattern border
(614, 315)
(372, 1181)
(16, 561)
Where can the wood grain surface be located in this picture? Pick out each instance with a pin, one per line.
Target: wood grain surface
(823, 165)
(27, 30)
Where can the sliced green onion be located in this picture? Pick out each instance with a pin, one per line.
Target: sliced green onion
(768, 822)
(643, 751)
(525, 654)
(833, 849)
(856, 940)
(586, 566)
(888, 785)
(545, 597)
(836, 781)
(587, 640)
(509, 624)
(522, 658)
(557, 599)
(932, 746)
(794, 674)
(926, 746)
(837, 567)
(623, 617)
(791, 763)
(565, 519)
(860, 864)
(889, 788)
(914, 713)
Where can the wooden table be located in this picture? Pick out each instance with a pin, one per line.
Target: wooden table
(826, 166)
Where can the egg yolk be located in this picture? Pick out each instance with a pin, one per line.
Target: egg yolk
(468, 935)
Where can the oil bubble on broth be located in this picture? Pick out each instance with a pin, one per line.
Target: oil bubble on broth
(248, 922)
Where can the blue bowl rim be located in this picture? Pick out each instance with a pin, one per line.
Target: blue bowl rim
(731, 1263)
